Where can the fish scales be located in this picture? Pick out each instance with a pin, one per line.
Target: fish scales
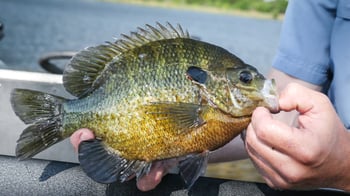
(161, 67)
(154, 95)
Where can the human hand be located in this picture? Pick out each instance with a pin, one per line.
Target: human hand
(147, 182)
(79, 136)
(314, 154)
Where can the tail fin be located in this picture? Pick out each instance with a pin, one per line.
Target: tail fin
(43, 112)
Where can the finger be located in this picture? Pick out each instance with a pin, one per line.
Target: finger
(278, 169)
(283, 138)
(268, 174)
(271, 132)
(312, 105)
(79, 136)
(300, 98)
(285, 175)
(265, 168)
(153, 178)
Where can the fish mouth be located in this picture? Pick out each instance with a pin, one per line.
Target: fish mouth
(270, 96)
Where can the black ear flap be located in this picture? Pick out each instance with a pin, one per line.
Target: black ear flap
(197, 74)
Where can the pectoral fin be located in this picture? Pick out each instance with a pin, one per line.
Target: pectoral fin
(182, 116)
(105, 166)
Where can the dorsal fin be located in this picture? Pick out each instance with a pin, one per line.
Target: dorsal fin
(84, 68)
(81, 74)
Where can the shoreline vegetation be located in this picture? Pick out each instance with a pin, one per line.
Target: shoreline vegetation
(265, 9)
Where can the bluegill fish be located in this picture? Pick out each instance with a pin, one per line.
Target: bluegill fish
(152, 95)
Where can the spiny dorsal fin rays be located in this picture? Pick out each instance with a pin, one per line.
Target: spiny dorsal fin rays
(148, 34)
(84, 72)
(157, 32)
(132, 40)
(163, 28)
(162, 32)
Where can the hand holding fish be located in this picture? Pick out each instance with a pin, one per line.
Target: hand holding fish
(312, 155)
(147, 182)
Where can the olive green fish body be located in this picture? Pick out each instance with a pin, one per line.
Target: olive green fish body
(149, 74)
(153, 95)
(141, 136)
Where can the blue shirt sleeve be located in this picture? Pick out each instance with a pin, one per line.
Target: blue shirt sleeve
(304, 50)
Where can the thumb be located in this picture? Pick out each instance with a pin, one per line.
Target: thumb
(79, 136)
(297, 97)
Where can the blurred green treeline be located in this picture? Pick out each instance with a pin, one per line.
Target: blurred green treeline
(273, 7)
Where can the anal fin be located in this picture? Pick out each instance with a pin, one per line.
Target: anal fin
(105, 166)
(193, 167)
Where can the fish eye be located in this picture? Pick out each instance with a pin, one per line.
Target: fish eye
(245, 77)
